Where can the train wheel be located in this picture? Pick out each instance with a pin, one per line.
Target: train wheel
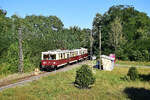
(48, 68)
(55, 68)
(41, 67)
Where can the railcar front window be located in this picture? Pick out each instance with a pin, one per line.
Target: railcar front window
(52, 57)
(46, 57)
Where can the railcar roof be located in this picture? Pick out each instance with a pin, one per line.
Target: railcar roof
(62, 51)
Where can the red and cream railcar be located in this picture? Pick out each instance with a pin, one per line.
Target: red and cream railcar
(57, 58)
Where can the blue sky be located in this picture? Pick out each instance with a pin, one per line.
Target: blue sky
(71, 12)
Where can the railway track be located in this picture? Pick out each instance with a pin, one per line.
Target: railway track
(27, 79)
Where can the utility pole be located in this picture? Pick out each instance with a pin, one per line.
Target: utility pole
(100, 60)
(91, 45)
(20, 66)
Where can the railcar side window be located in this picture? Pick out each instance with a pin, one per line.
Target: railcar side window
(76, 53)
(67, 55)
(80, 52)
(71, 54)
(61, 55)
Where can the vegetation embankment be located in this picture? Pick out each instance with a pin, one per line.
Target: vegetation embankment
(17, 77)
(108, 86)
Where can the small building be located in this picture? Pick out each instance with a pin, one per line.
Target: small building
(107, 62)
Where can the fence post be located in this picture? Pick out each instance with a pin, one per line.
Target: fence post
(20, 66)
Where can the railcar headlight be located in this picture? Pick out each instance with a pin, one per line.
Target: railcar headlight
(54, 62)
(44, 62)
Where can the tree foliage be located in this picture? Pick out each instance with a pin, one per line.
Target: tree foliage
(40, 33)
(84, 77)
(96, 28)
(125, 32)
(116, 36)
(133, 73)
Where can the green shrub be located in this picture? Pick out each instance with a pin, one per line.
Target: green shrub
(133, 73)
(84, 77)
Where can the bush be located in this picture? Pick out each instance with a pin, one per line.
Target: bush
(84, 77)
(133, 73)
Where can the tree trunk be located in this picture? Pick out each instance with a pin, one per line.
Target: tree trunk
(91, 45)
(99, 30)
(20, 66)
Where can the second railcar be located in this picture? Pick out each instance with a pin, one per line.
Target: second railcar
(56, 58)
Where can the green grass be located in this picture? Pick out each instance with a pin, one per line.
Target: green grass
(108, 86)
(133, 63)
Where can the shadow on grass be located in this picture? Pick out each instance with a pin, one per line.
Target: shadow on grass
(137, 93)
(77, 86)
(144, 77)
(96, 66)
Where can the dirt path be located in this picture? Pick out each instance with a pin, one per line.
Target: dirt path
(122, 65)
(32, 78)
